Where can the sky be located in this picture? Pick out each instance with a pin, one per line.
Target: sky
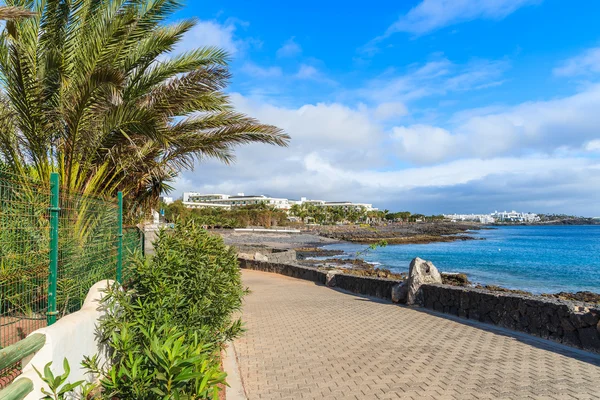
(431, 106)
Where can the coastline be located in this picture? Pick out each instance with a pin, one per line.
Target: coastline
(309, 252)
(318, 236)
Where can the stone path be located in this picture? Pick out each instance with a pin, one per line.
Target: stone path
(306, 341)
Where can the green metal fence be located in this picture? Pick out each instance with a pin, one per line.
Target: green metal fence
(54, 245)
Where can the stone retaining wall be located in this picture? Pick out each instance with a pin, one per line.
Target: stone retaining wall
(266, 254)
(369, 286)
(571, 323)
(295, 271)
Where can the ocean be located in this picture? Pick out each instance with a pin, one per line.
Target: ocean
(538, 259)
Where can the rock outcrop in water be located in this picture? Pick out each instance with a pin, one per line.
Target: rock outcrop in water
(420, 272)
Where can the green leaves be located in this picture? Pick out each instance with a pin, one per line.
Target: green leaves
(57, 385)
(165, 333)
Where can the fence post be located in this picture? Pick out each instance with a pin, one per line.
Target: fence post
(120, 239)
(143, 240)
(52, 277)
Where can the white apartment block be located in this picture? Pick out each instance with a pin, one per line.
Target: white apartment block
(514, 216)
(202, 200)
(505, 216)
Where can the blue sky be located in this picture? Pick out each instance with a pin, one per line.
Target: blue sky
(432, 106)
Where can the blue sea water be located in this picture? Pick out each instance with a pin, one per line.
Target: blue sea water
(539, 259)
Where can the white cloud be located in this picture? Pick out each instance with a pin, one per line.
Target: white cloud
(307, 72)
(593, 145)
(541, 127)
(210, 33)
(344, 153)
(289, 49)
(430, 15)
(316, 126)
(586, 63)
(424, 144)
(261, 72)
(437, 77)
(390, 110)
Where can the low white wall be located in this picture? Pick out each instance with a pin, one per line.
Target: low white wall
(71, 337)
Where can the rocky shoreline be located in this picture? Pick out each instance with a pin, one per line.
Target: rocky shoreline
(398, 233)
(308, 245)
(362, 268)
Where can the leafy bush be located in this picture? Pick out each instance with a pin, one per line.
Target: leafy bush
(164, 334)
(193, 281)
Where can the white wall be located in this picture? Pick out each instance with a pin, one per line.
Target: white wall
(73, 336)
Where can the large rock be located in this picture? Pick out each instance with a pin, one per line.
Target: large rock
(421, 272)
(330, 278)
(260, 257)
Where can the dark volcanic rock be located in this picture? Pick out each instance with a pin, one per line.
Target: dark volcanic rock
(586, 297)
(307, 252)
(400, 233)
(455, 279)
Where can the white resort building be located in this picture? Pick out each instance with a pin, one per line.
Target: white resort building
(202, 200)
(504, 216)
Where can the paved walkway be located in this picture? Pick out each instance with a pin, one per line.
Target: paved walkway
(305, 341)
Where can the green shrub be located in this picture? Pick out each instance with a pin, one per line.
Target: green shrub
(193, 281)
(157, 363)
(164, 334)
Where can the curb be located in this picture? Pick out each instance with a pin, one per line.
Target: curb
(235, 390)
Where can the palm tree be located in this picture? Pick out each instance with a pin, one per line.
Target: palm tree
(89, 89)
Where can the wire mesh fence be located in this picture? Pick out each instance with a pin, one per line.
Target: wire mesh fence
(87, 251)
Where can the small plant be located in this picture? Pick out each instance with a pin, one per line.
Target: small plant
(159, 363)
(57, 385)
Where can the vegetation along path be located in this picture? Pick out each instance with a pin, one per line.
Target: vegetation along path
(306, 341)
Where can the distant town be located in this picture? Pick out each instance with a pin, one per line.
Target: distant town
(496, 216)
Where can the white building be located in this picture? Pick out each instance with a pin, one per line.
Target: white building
(514, 216)
(200, 200)
(166, 200)
(345, 204)
(481, 218)
(203, 200)
(505, 216)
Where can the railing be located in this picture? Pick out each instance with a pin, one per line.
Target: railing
(17, 390)
(54, 245)
(15, 353)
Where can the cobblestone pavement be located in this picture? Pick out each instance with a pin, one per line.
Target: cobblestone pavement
(306, 341)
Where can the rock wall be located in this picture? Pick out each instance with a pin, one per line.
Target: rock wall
(266, 254)
(570, 323)
(369, 286)
(288, 256)
(295, 271)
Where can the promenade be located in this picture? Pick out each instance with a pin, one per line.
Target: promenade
(306, 341)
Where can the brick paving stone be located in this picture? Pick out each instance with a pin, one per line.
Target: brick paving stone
(307, 341)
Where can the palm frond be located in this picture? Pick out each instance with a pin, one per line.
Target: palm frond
(12, 13)
(90, 88)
